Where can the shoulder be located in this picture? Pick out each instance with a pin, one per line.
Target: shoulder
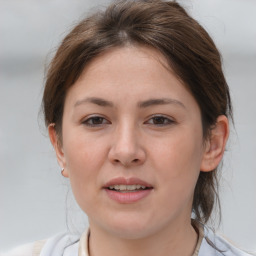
(55, 245)
(215, 245)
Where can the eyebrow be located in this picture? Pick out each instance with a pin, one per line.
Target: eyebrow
(161, 101)
(94, 100)
(141, 104)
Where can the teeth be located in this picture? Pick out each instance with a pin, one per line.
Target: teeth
(126, 187)
(122, 187)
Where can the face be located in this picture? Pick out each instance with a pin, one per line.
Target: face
(132, 143)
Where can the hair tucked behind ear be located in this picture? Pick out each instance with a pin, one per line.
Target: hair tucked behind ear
(167, 27)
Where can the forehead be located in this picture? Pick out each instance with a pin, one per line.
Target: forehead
(135, 54)
(127, 64)
(130, 72)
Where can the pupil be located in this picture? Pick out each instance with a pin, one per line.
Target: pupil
(159, 120)
(97, 120)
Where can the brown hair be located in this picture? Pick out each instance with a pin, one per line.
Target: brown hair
(167, 27)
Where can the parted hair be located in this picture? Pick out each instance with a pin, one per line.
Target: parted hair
(167, 27)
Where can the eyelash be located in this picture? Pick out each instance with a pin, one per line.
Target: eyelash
(164, 121)
(95, 118)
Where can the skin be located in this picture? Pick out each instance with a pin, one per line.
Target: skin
(131, 136)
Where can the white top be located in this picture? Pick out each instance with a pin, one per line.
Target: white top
(69, 245)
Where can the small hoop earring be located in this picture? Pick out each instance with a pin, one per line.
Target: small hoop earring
(62, 170)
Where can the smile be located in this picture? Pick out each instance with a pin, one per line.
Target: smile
(127, 190)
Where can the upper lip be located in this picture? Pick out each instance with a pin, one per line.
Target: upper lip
(127, 181)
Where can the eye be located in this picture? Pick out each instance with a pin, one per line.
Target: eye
(160, 120)
(95, 121)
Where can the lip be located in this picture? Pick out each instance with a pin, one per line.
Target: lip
(127, 197)
(127, 181)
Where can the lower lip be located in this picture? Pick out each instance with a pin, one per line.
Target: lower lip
(127, 197)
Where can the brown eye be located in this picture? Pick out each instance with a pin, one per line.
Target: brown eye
(95, 121)
(160, 121)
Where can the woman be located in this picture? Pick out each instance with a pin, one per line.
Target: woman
(137, 109)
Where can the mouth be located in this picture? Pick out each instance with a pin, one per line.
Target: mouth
(128, 188)
(127, 191)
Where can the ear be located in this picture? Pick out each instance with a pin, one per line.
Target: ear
(215, 145)
(58, 148)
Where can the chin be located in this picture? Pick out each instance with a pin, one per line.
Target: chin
(129, 228)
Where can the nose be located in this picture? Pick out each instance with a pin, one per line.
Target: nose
(126, 148)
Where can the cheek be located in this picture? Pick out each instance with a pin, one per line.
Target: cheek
(82, 152)
(180, 155)
(84, 159)
(178, 162)
(177, 169)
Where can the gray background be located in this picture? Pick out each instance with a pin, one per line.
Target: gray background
(35, 201)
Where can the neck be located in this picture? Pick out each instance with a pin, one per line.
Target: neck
(178, 241)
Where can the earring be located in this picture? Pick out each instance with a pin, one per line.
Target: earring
(62, 170)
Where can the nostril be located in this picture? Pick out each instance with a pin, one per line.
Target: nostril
(135, 161)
